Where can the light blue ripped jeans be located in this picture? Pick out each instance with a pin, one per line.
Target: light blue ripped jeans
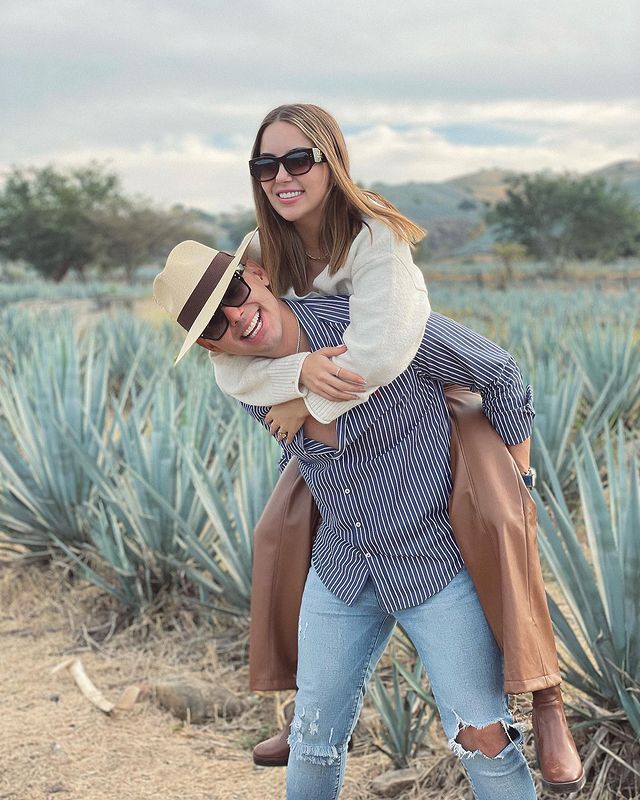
(338, 649)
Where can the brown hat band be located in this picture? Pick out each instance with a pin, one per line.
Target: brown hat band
(203, 290)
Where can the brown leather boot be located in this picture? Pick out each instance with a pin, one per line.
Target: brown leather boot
(558, 757)
(274, 752)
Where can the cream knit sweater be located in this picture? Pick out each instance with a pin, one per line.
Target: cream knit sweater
(388, 307)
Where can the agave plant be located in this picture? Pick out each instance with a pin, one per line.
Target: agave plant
(130, 340)
(49, 410)
(37, 289)
(557, 399)
(150, 493)
(17, 337)
(233, 499)
(532, 344)
(530, 315)
(183, 503)
(609, 358)
(601, 588)
(406, 714)
(114, 563)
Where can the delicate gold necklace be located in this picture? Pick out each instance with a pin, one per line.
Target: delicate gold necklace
(299, 335)
(323, 257)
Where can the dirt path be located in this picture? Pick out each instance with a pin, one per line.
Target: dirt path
(56, 745)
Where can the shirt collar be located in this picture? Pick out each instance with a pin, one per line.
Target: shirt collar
(320, 315)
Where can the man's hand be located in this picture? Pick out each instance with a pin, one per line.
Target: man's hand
(320, 375)
(286, 419)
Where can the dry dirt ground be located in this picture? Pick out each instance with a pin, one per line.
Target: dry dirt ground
(57, 746)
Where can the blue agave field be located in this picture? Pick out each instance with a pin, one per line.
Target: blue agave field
(148, 479)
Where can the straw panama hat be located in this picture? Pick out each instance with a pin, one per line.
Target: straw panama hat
(192, 284)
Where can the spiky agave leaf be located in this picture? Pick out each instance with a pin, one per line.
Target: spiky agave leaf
(406, 716)
(603, 591)
(234, 499)
(557, 399)
(48, 411)
(164, 515)
(609, 359)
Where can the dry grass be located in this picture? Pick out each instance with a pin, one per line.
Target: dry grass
(57, 745)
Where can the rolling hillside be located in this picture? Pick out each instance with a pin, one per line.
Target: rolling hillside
(452, 210)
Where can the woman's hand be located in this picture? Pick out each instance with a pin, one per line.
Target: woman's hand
(320, 375)
(286, 419)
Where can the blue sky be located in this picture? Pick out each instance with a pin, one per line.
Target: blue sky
(170, 94)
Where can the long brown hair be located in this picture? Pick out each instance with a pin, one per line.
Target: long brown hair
(281, 248)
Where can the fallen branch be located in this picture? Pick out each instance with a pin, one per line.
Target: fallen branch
(75, 667)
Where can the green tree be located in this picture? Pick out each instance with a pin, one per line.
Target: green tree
(60, 221)
(48, 218)
(132, 232)
(559, 218)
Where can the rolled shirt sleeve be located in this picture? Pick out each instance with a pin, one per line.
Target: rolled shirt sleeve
(452, 353)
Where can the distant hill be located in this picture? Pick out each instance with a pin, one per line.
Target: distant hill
(486, 184)
(452, 211)
(426, 201)
(625, 174)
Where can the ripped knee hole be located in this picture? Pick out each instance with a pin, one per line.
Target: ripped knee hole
(490, 740)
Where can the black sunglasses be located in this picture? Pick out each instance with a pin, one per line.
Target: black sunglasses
(237, 293)
(296, 162)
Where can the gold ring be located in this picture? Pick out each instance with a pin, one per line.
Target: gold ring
(338, 372)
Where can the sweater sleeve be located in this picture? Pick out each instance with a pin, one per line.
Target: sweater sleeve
(388, 310)
(258, 381)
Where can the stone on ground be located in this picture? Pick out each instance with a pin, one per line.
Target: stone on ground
(196, 700)
(391, 784)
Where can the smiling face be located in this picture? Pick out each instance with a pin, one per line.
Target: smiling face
(296, 198)
(262, 326)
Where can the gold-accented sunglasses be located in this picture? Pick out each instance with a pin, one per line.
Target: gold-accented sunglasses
(296, 162)
(237, 293)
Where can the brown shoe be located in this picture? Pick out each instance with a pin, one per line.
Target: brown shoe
(274, 752)
(558, 757)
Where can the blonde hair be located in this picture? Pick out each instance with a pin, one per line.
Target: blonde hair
(282, 251)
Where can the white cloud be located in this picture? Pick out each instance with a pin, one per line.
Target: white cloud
(192, 171)
(576, 137)
(598, 113)
(420, 155)
(188, 171)
(172, 93)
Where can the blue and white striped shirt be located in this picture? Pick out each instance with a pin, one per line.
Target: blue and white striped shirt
(383, 494)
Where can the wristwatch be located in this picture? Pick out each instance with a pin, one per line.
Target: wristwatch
(529, 478)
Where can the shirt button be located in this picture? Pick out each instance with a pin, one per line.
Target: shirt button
(358, 524)
(367, 555)
(347, 491)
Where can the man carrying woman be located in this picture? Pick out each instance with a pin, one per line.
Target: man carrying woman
(385, 550)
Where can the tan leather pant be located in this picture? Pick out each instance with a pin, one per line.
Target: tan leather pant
(494, 522)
